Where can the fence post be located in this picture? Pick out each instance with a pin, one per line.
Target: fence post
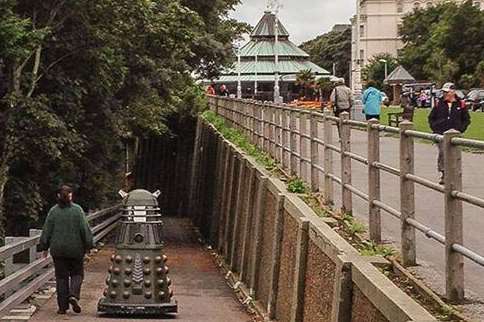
(285, 141)
(293, 142)
(279, 135)
(407, 195)
(454, 266)
(374, 181)
(302, 132)
(347, 203)
(272, 133)
(328, 160)
(314, 152)
(33, 250)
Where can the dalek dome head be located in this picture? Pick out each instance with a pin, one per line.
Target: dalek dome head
(140, 197)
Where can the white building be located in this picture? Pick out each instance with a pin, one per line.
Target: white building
(378, 27)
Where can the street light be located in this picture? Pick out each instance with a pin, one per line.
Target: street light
(239, 83)
(386, 66)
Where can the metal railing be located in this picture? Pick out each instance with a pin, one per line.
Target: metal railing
(21, 281)
(282, 131)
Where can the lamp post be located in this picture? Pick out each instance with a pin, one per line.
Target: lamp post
(386, 66)
(255, 81)
(239, 82)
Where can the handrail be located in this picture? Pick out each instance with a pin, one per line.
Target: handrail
(42, 265)
(322, 172)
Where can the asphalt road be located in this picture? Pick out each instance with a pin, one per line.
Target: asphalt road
(429, 204)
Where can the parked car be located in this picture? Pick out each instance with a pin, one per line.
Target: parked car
(475, 100)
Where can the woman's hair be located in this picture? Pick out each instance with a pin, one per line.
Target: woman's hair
(63, 198)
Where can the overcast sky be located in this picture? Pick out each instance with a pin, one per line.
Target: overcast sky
(304, 19)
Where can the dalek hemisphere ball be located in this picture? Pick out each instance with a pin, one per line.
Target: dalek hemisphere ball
(137, 281)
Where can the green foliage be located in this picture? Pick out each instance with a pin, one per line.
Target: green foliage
(353, 226)
(240, 140)
(375, 69)
(329, 48)
(442, 43)
(296, 185)
(77, 78)
(305, 79)
(371, 249)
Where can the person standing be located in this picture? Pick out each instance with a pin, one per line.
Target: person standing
(224, 90)
(449, 113)
(341, 99)
(67, 235)
(372, 100)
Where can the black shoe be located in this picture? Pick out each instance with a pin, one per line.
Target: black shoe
(75, 304)
(61, 311)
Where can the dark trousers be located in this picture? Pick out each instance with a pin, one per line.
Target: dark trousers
(69, 273)
(370, 116)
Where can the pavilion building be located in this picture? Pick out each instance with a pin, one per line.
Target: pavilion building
(259, 67)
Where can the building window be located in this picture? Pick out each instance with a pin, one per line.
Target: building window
(399, 6)
(416, 5)
(362, 31)
(362, 54)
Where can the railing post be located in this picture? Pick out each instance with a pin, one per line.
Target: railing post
(293, 142)
(347, 201)
(328, 160)
(253, 124)
(279, 135)
(260, 126)
(216, 105)
(33, 250)
(454, 266)
(302, 133)
(272, 132)
(314, 153)
(374, 181)
(407, 195)
(286, 157)
(265, 125)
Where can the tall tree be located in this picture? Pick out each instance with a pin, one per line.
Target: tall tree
(443, 42)
(374, 70)
(78, 76)
(331, 48)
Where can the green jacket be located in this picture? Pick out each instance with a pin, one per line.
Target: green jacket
(66, 232)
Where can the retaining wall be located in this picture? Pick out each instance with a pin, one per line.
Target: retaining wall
(291, 262)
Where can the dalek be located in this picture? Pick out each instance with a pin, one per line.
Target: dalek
(137, 281)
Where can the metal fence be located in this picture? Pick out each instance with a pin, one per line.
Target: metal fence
(282, 132)
(22, 280)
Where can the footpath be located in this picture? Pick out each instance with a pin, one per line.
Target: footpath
(199, 286)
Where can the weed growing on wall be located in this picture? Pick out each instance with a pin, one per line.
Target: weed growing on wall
(296, 185)
(240, 140)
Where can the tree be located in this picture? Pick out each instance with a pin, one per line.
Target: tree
(442, 42)
(375, 69)
(305, 79)
(331, 48)
(76, 77)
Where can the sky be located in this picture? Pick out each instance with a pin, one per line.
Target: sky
(304, 19)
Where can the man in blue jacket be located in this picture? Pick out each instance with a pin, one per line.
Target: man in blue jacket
(372, 100)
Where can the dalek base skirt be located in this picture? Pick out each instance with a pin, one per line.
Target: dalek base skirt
(138, 282)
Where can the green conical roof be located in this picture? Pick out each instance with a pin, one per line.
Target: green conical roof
(266, 27)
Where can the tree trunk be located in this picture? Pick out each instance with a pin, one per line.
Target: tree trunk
(4, 170)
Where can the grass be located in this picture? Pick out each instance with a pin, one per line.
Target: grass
(475, 130)
(296, 185)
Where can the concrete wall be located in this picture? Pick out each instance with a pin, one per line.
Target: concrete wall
(291, 262)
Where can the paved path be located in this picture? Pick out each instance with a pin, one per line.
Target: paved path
(199, 287)
(429, 205)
